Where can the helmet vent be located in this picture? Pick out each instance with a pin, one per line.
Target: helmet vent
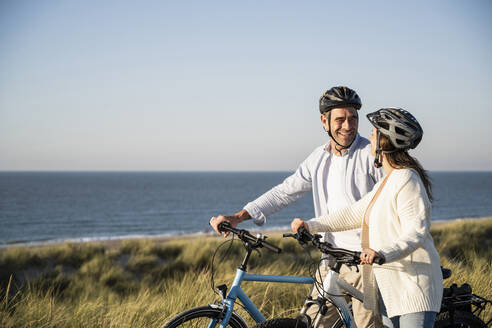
(384, 125)
(401, 131)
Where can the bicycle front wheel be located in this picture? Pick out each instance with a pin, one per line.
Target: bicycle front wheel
(461, 320)
(203, 316)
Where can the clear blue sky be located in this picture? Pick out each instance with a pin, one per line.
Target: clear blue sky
(234, 85)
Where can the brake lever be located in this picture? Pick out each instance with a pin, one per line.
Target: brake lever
(348, 260)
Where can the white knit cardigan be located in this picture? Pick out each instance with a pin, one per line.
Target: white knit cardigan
(411, 279)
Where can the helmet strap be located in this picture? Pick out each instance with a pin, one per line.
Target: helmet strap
(379, 152)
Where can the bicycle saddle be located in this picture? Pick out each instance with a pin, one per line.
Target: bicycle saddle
(446, 273)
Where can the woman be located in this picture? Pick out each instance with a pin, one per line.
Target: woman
(395, 220)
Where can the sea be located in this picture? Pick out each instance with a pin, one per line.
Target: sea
(49, 207)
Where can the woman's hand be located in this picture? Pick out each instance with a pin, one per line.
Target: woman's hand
(367, 256)
(297, 223)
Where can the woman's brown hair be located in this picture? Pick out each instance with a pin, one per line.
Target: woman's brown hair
(401, 159)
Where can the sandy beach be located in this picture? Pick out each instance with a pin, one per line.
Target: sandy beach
(114, 243)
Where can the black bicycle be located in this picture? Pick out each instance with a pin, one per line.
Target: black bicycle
(460, 307)
(332, 289)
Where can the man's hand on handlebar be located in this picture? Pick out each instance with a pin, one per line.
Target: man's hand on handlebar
(234, 220)
(297, 223)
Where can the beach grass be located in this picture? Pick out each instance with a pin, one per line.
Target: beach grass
(142, 283)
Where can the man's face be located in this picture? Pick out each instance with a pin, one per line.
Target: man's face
(343, 125)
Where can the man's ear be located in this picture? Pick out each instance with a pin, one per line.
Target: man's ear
(324, 121)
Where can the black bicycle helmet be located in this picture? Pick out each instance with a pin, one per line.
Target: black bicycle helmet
(339, 97)
(399, 126)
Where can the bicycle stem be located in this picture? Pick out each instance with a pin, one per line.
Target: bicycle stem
(244, 264)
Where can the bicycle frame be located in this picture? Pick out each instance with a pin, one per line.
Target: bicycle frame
(237, 293)
(332, 291)
(332, 284)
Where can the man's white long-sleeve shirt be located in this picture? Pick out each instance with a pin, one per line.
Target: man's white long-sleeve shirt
(317, 173)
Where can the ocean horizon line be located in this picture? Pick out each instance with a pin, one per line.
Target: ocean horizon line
(201, 171)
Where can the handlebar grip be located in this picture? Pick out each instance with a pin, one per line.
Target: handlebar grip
(305, 234)
(224, 226)
(379, 260)
(271, 247)
(245, 235)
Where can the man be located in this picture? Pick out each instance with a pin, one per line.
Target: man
(338, 174)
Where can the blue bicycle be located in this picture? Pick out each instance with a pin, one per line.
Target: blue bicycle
(223, 314)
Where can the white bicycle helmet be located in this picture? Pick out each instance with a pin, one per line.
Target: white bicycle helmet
(399, 126)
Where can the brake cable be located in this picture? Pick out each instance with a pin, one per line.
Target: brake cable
(226, 253)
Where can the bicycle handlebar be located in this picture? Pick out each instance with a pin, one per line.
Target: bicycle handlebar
(247, 237)
(341, 255)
